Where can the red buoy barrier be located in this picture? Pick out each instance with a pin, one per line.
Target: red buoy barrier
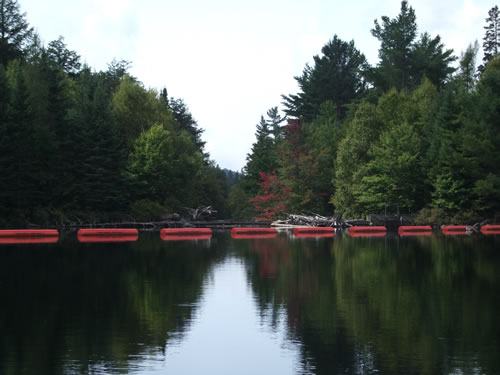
(253, 230)
(367, 229)
(490, 229)
(27, 240)
(185, 234)
(367, 234)
(311, 232)
(23, 233)
(455, 230)
(108, 235)
(104, 239)
(415, 230)
(185, 231)
(409, 234)
(250, 236)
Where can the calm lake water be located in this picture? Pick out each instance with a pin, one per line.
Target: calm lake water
(415, 305)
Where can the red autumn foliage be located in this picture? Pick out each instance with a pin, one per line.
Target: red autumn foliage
(271, 201)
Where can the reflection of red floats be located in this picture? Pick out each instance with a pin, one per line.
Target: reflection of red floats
(246, 233)
(455, 230)
(183, 234)
(19, 236)
(367, 234)
(409, 234)
(490, 229)
(415, 230)
(237, 236)
(108, 235)
(309, 232)
(367, 229)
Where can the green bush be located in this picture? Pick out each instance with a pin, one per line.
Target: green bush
(146, 210)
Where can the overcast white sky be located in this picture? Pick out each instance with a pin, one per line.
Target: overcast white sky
(231, 60)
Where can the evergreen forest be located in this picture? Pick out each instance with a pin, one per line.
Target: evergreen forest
(418, 132)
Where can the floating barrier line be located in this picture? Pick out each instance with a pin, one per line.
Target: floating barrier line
(108, 232)
(490, 229)
(185, 232)
(313, 230)
(186, 237)
(20, 233)
(367, 234)
(367, 229)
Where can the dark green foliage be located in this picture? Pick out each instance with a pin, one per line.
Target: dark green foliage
(337, 76)
(491, 40)
(396, 37)
(185, 120)
(14, 31)
(62, 58)
(262, 157)
(404, 62)
(81, 144)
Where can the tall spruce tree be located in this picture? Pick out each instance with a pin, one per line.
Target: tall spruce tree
(337, 76)
(262, 157)
(14, 31)
(491, 39)
(396, 37)
(405, 61)
(186, 120)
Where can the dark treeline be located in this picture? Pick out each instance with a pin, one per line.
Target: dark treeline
(419, 132)
(76, 144)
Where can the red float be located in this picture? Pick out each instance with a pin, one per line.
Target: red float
(367, 234)
(23, 233)
(490, 229)
(365, 229)
(455, 230)
(101, 238)
(185, 234)
(185, 231)
(27, 240)
(108, 235)
(253, 230)
(415, 230)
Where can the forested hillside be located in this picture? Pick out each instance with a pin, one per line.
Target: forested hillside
(419, 132)
(80, 145)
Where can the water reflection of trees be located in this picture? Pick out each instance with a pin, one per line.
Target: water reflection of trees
(96, 306)
(410, 305)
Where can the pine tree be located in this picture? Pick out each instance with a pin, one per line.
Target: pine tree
(491, 40)
(186, 121)
(405, 61)
(337, 76)
(262, 158)
(63, 58)
(14, 31)
(396, 37)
